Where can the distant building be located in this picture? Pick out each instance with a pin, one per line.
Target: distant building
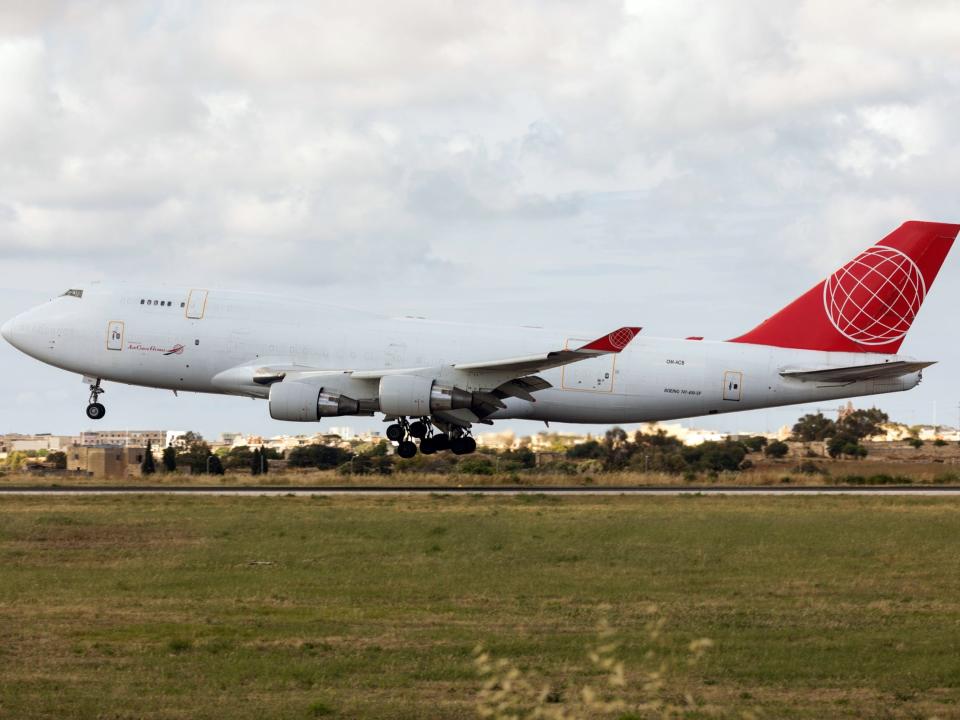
(124, 438)
(41, 441)
(688, 436)
(345, 433)
(896, 432)
(175, 438)
(506, 440)
(545, 441)
(105, 461)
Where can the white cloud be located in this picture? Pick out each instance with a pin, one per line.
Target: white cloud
(487, 155)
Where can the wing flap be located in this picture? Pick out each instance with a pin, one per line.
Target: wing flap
(856, 373)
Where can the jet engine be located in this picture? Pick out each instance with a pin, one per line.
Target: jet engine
(403, 395)
(302, 402)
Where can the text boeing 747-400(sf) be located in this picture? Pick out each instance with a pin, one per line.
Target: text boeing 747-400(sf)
(435, 379)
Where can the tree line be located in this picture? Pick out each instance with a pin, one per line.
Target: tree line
(615, 451)
(193, 452)
(844, 436)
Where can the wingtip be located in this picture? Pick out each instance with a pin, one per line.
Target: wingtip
(613, 342)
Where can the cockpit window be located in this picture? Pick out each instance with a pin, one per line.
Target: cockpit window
(73, 293)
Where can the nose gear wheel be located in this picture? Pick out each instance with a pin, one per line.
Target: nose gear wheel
(95, 409)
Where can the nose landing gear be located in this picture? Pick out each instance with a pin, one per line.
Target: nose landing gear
(95, 409)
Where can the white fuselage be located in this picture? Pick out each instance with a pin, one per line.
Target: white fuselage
(194, 338)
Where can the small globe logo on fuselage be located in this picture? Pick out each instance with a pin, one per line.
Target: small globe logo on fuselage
(873, 299)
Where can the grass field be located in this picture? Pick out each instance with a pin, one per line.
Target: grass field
(173, 607)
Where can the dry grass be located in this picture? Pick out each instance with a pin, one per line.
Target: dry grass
(785, 472)
(160, 607)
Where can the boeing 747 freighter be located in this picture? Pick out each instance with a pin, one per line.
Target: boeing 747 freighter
(435, 380)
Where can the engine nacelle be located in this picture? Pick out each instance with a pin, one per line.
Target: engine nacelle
(403, 395)
(302, 402)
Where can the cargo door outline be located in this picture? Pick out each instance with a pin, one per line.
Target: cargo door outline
(732, 385)
(115, 332)
(591, 375)
(196, 304)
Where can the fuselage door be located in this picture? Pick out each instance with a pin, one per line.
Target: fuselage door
(196, 304)
(732, 385)
(115, 335)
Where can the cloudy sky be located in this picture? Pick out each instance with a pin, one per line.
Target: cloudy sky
(687, 166)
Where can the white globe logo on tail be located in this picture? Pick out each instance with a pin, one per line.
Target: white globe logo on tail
(873, 299)
(619, 339)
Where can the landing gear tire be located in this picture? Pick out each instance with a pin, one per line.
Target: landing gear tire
(96, 411)
(418, 429)
(439, 442)
(406, 449)
(427, 446)
(463, 445)
(395, 432)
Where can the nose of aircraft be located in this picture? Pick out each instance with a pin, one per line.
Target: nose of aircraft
(7, 330)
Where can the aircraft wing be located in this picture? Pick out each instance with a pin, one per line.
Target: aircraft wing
(490, 381)
(610, 343)
(518, 367)
(493, 380)
(856, 373)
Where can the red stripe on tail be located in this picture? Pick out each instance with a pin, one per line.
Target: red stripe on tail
(869, 304)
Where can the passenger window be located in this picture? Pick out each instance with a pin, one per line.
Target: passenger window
(142, 301)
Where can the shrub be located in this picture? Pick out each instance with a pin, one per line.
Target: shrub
(59, 459)
(475, 466)
(939, 442)
(915, 443)
(322, 457)
(950, 478)
(845, 444)
(590, 450)
(367, 465)
(715, 456)
(776, 449)
(814, 427)
(879, 479)
(169, 459)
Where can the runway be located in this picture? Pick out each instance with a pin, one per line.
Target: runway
(410, 490)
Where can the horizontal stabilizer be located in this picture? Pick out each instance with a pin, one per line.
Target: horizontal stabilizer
(856, 373)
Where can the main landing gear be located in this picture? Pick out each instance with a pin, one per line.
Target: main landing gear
(402, 432)
(95, 409)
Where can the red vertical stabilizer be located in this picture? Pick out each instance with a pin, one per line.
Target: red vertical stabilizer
(869, 304)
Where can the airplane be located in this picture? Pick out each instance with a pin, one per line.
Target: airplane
(433, 381)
